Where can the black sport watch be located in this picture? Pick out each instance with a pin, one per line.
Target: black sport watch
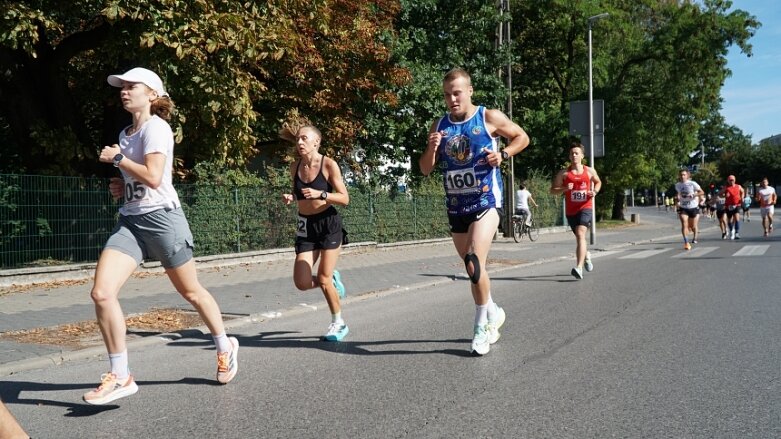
(505, 155)
(118, 158)
(323, 195)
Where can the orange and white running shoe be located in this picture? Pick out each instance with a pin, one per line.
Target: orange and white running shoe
(687, 246)
(228, 363)
(111, 389)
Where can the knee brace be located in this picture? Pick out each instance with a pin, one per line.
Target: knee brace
(475, 276)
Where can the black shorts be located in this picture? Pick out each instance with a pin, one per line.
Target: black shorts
(461, 223)
(732, 211)
(691, 213)
(322, 231)
(582, 218)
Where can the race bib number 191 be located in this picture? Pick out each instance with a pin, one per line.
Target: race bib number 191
(578, 196)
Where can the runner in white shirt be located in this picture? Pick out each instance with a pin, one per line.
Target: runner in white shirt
(688, 195)
(151, 225)
(766, 196)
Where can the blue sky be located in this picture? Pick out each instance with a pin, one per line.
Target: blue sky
(752, 95)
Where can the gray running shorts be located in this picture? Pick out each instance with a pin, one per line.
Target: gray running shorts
(162, 235)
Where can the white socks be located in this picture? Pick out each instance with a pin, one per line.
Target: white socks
(119, 365)
(481, 315)
(337, 318)
(484, 313)
(222, 342)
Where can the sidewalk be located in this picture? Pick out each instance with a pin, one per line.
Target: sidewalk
(260, 290)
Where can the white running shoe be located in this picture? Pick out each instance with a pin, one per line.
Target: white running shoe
(336, 332)
(577, 272)
(228, 362)
(492, 327)
(111, 389)
(480, 343)
(588, 265)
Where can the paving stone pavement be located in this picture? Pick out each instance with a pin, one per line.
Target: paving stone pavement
(265, 289)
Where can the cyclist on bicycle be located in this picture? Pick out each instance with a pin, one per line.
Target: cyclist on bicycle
(522, 199)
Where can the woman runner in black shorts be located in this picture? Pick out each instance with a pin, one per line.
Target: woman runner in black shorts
(317, 187)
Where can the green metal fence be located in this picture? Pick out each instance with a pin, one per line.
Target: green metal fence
(58, 220)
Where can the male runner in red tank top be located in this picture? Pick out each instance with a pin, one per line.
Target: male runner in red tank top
(579, 184)
(733, 198)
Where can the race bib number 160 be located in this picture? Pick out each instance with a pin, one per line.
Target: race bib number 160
(461, 181)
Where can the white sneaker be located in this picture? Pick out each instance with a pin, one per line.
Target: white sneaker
(577, 272)
(336, 331)
(111, 389)
(588, 265)
(228, 362)
(492, 327)
(480, 343)
(732, 234)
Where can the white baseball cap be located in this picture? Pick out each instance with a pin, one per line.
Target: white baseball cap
(142, 75)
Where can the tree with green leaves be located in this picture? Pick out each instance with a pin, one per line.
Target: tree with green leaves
(233, 68)
(433, 36)
(658, 65)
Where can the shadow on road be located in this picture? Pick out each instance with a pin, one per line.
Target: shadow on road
(10, 392)
(352, 347)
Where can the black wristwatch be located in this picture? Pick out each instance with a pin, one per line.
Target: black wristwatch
(323, 195)
(118, 158)
(505, 155)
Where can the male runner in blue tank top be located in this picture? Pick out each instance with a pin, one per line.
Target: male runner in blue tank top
(465, 144)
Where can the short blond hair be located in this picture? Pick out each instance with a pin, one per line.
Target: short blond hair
(456, 73)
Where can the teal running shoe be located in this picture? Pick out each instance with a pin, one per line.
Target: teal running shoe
(339, 285)
(336, 332)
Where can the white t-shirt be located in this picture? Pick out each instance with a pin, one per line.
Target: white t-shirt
(688, 194)
(155, 136)
(766, 194)
(522, 199)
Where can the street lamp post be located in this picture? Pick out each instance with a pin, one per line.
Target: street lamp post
(591, 20)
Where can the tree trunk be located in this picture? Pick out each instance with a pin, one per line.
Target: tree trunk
(619, 204)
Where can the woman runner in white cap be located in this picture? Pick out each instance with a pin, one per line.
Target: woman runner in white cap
(151, 225)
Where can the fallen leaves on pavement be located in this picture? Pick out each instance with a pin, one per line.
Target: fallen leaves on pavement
(87, 333)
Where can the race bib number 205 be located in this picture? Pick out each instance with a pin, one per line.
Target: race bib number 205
(461, 181)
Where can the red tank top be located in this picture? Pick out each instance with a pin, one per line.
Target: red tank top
(577, 197)
(732, 195)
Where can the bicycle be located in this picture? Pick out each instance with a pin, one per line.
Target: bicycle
(520, 228)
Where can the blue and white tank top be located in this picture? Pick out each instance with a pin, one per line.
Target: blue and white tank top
(471, 184)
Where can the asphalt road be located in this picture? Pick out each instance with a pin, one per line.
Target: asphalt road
(656, 342)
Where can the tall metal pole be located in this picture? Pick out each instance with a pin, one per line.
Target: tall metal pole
(511, 198)
(502, 38)
(593, 234)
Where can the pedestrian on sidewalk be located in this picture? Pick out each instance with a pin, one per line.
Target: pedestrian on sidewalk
(579, 184)
(151, 225)
(465, 142)
(318, 187)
